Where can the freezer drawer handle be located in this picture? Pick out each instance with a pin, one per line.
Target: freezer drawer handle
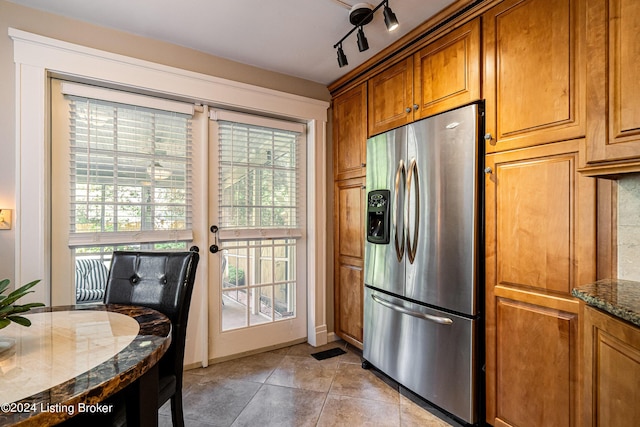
(399, 308)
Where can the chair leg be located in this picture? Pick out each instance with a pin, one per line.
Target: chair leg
(177, 417)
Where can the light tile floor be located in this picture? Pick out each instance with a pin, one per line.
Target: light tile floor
(288, 387)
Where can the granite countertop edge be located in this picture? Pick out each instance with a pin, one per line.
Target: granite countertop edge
(620, 298)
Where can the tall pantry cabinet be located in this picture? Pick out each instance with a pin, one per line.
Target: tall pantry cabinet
(349, 157)
(540, 211)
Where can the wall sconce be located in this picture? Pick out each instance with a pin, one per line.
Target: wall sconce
(360, 15)
(5, 219)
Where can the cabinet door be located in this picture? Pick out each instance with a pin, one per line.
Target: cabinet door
(447, 72)
(350, 133)
(612, 370)
(534, 80)
(613, 110)
(391, 97)
(536, 350)
(349, 259)
(540, 243)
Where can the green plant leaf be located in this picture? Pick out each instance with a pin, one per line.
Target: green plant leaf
(13, 296)
(7, 309)
(20, 320)
(4, 323)
(4, 284)
(24, 288)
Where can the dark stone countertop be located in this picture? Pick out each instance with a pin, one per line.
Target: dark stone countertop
(620, 298)
(101, 381)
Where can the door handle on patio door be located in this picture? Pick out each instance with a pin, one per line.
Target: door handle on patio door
(412, 246)
(400, 178)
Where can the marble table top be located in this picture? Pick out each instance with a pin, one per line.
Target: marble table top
(73, 357)
(620, 298)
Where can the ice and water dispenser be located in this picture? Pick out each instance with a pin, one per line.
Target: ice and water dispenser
(378, 216)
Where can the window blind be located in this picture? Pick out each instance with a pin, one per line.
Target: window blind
(130, 173)
(259, 184)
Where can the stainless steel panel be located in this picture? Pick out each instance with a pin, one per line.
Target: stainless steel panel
(386, 170)
(444, 148)
(428, 351)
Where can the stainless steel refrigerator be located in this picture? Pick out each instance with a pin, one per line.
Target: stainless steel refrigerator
(423, 271)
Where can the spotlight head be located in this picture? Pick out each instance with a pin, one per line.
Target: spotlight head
(342, 58)
(363, 44)
(390, 19)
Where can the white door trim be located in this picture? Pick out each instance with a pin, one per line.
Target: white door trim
(36, 57)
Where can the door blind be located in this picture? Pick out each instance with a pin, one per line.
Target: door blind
(259, 191)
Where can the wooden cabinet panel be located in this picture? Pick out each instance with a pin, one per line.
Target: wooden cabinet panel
(447, 72)
(536, 369)
(612, 370)
(350, 133)
(535, 222)
(351, 297)
(540, 243)
(350, 211)
(613, 88)
(534, 81)
(349, 259)
(390, 97)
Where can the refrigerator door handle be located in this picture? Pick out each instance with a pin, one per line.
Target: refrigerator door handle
(403, 310)
(412, 246)
(400, 178)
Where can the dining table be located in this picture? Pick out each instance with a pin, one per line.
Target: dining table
(72, 359)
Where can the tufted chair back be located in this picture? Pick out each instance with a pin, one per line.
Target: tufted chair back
(162, 281)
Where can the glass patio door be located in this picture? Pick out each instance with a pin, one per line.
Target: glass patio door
(257, 169)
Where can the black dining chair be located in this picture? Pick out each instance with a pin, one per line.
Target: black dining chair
(162, 281)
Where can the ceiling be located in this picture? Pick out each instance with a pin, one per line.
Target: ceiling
(293, 37)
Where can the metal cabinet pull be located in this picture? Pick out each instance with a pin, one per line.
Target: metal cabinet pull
(403, 310)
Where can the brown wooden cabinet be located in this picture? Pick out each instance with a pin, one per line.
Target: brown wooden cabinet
(349, 164)
(443, 75)
(390, 101)
(611, 363)
(534, 74)
(349, 259)
(613, 88)
(540, 243)
(350, 133)
(447, 72)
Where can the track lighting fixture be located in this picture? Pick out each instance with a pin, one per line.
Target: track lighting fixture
(360, 15)
(390, 19)
(363, 44)
(342, 58)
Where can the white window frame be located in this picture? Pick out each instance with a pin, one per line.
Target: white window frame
(37, 57)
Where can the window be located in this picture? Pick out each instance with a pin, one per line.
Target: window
(261, 218)
(129, 181)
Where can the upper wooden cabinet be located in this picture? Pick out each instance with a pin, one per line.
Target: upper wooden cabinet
(391, 97)
(350, 133)
(613, 87)
(443, 75)
(534, 81)
(447, 72)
